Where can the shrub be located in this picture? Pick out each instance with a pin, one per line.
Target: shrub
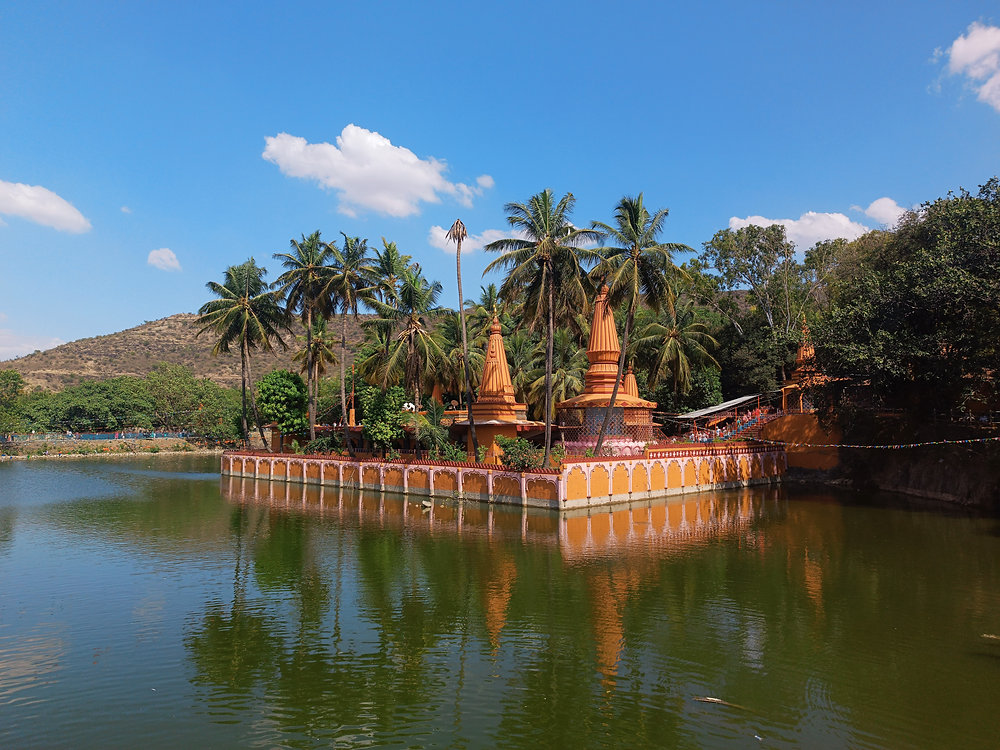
(332, 443)
(518, 453)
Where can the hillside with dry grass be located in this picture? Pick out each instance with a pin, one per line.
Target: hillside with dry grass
(138, 350)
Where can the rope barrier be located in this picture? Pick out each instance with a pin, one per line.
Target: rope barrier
(892, 446)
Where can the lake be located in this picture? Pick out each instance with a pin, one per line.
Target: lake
(149, 603)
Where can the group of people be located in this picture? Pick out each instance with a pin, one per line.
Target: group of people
(741, 422)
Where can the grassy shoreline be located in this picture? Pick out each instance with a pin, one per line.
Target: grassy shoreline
(105, 449)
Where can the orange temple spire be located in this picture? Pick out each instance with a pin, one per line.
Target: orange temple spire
(603, 349)
(603, 352)
(630, 386)
(496, 386)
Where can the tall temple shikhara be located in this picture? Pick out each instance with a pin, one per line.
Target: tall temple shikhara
(496, 411)
(631, 427)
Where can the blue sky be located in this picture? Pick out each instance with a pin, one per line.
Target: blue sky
(145, 147)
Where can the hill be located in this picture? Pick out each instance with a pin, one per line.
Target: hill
(138, 350)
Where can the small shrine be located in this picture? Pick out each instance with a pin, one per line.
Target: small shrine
(804, 374)
(496, 411)
(631, 425)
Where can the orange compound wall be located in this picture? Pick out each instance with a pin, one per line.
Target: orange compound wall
(798, 432)
(582, 483)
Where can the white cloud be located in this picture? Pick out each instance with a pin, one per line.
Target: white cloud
(126, 210)
(164, 259)
(884, 211)
(976, 54)
(436, 237)
(369, 172)
(42, 206)
(14, 345)
(809, 228)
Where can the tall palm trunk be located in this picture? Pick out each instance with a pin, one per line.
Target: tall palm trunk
(621, 372)
(253, 398)
(465, 354)
(343, 375)
(243, 387)
(310, 375)
(548, 375)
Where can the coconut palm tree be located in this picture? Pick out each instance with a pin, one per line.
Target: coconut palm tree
(520, 347)
(389, 265)
(669, 346)
(452, 370)
(636, 266)
(414, 349)
(248, 315)
(489, 306)
(456, 234)
(305, 287)
(352, 283)
(545, 265)
(321, 344)
(569, 365)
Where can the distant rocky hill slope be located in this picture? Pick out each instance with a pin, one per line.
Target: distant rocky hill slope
(138, 350)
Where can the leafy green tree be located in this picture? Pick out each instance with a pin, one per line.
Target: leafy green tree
(705, 390)
(245, 315)
(281, 396)
(95, 406)
(762, 261)
(11, 387)
(218, 414)
(175, 395)
(917, 321)
(382, 414)
(545, 264)
(305, 285)
(636, 268)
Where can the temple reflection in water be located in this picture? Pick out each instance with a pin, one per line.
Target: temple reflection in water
(618, 547)
(664, 526)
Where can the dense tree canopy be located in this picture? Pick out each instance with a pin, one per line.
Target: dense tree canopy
(914, 311)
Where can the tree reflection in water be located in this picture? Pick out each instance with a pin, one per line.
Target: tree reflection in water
(372, 618)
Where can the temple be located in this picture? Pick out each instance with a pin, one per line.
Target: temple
(805, 374)
(631, 425)
(496, 411)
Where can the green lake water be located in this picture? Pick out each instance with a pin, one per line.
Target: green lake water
(151, 604)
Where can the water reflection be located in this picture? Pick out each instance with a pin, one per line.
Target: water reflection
(650, 528)
(169, 613)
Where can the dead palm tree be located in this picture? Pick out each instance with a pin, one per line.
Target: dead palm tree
(456, 234)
